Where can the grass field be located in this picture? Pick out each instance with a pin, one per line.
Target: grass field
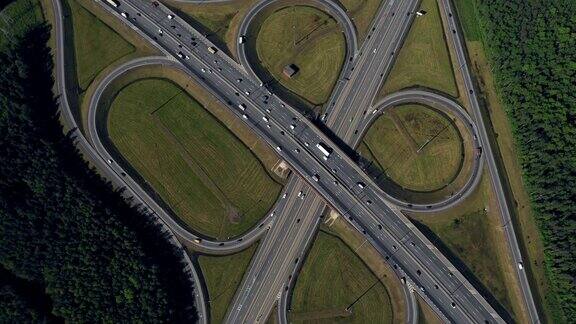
(208, 177)
(416, 146)
(309, 38)
(467, 15)
(19, 17)
(223, 275)
(95, 44)
(424, 59)
(362, 13)
(334, 278)
(472, 233)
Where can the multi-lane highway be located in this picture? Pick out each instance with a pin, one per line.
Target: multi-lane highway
(256, 302)
(336, 177)
(340, 182)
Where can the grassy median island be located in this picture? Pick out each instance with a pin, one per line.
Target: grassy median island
(311, 40)
(207, 176)
(417, 147)
(95, 44)
(424, 59)
(333, 279)
(223, 275)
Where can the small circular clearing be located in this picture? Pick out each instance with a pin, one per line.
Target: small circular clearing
(417, 147)
(308, 39)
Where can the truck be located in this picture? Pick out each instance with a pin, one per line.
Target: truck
(325, 149)
(113, 3)
(212, 49)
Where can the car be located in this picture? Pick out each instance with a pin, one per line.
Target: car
(110, 161)
(241, 39)
(283, 196)
(278, 148)
(316, 177)
(292, 126)
(180, 55)
(170, 16)
(124, 14)
(203, 70)
(239, 80)
(245, 116)
(160, 32)
(247, 93)
(453, 304)
(197, 240)
(361, 185)
(297, 150)
(520, 266)
(264, 118)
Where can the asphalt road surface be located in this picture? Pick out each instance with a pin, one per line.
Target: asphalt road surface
(340, 181)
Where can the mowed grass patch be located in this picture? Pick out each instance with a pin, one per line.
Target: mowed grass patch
(223, 275)
(208, 177)
(417, 147)
(362, 13)
(424, 59)
(472, 233)
(308, 38)
(19, 18)
(468, 16)
(332, 279)
(96, 45)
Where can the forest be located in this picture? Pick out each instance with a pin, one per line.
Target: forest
(65, 234)
(532, 44)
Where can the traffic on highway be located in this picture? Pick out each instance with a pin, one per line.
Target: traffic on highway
(326, 173)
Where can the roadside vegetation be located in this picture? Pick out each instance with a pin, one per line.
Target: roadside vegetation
(96, 45)
(362, 12)
(223, 275)
(334, 285)
(424, 59)
(311, 40)
(415, 146)
(532, 46)
(205, 174)
(62, 227)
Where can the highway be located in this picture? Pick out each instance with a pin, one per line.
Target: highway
(248, 304)
(88, 152)
(340, 181)
(454, 36)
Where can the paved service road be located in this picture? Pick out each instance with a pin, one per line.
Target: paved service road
(340, 181)
(454, 36)
(97, 160)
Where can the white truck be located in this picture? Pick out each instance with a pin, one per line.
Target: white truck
(212, 49)
(325, 150)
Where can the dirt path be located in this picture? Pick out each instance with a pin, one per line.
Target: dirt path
(404, 131)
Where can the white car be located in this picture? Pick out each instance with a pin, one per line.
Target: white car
(170, 16)
(245, 116)
(520, 266)
(279, 148)
(124, 14)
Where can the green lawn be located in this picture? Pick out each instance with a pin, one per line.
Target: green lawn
(418, 147)
(332, 279)
(209, 178)
(468, 17)
(308, 38)
(18, 18)
(95, 44)
(223, 275)
(424, 59)
(362, 13)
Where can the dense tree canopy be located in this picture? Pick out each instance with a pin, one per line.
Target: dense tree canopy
(61, 226)
(533, 46)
